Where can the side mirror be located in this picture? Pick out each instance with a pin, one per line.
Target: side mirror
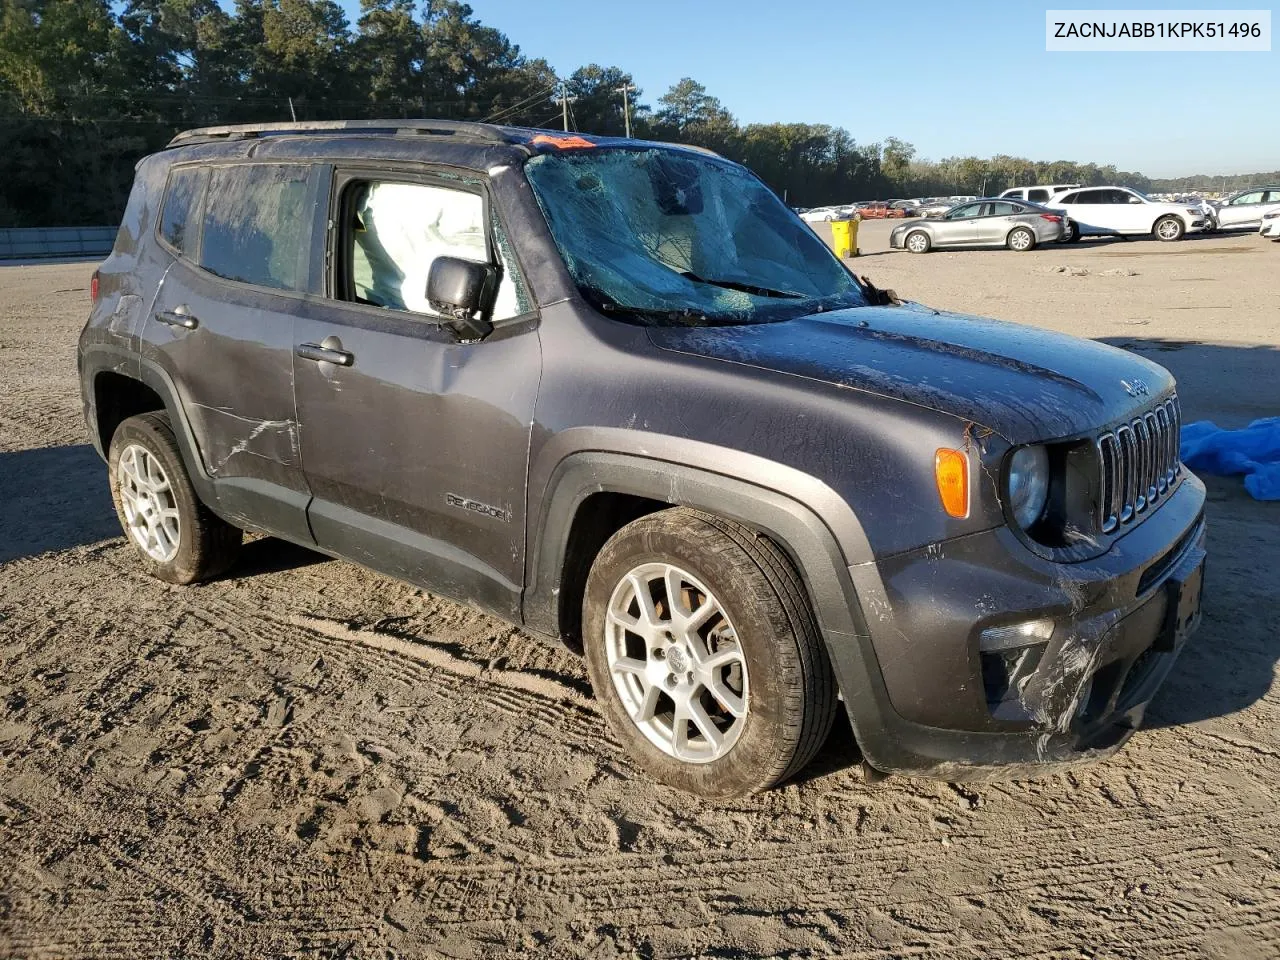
(1134, 200)
(463, 291)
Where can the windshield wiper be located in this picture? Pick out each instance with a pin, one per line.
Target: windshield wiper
(684, 317)
(744, 287)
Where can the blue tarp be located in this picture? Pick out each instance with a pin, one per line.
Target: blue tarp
(1253, 451)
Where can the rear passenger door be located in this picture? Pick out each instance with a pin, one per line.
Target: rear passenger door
(996, 221)
(221, 327)
(1088, 209)
(415, 444)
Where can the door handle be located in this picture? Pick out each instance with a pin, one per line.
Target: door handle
(179, 316)
(329, 351)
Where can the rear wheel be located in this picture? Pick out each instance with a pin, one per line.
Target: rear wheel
(1021, 239)
(704, 654)
(918, 242)
(1073, 234)
(178, 539)
(1169, 228)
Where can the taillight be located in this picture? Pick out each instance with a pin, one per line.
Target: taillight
(1051, 217)
(93, 287)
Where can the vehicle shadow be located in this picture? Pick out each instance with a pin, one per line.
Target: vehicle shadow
(53, 498)
(57, 498)
(271, 555)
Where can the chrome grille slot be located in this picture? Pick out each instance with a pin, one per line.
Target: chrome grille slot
(1137, 464)
(1142, 462)
(1162, 434)
(1109, 485)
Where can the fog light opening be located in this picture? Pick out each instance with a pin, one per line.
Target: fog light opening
(1010, 655)
(1015, 635)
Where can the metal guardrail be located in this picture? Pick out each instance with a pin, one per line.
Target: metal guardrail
(48, 242)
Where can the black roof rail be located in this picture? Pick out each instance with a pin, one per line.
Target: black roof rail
(483, 132)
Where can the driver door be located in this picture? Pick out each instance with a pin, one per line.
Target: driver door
(960, 226)
(415, 445)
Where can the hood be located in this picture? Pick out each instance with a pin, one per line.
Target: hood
(1025, 383)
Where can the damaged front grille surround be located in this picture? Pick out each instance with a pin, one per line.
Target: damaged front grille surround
(1137, 465)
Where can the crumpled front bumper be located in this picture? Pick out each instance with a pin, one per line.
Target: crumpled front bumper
(1113, 642)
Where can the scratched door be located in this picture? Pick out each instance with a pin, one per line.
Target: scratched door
(222, 328)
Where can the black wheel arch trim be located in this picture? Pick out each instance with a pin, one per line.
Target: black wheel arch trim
(806, 537)
(108, 358)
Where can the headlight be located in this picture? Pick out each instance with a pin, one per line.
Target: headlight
(1271, 216)
(1028, 484)
(1194, 211)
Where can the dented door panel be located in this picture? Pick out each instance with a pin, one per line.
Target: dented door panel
(235, 372)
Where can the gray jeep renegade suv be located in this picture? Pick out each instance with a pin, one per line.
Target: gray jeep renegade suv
(618, 393)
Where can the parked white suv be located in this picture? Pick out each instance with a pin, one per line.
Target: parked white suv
(1120, 210)
(1037, 194)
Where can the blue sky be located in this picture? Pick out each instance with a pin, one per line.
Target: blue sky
(953, 78)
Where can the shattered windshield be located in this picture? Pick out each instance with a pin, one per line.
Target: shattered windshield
(672, 237)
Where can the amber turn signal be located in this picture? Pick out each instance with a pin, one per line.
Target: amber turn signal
(951, 468)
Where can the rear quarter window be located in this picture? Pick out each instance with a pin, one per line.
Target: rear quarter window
(257, 224)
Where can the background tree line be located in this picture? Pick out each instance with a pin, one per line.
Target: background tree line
(89, 86)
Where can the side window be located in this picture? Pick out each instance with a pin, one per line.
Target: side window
(1092, 197)
(999, 209)
(1255, 197)
(395, 231)
(1070, 198)
(256, 224)
(178, 223)
(962, 213)
(1038, 196)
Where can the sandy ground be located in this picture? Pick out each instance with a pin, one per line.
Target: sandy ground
(308, 760)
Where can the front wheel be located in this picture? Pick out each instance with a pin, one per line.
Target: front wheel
(918, 242)
(177, 538)
(1021, 240)
(1169, 228)
(1073, 234)
(704, 654)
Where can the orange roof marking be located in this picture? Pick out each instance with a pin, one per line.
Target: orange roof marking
(563, 143)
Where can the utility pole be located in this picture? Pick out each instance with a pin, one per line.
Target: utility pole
(626, 107)
(292, 112)
(564, 104)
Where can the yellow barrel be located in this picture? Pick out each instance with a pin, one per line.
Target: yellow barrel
(845, 235)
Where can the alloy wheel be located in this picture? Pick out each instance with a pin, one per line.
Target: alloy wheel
(676, 663)
(150, 508)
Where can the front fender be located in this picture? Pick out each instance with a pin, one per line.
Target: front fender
(776, 500)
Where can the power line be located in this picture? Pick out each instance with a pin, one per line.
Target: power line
(530, 101)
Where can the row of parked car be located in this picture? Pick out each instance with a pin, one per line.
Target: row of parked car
(1023, 218)
(880, 209)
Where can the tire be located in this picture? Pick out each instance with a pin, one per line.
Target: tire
(922, 243)
(1073, 235)
(1169, 228)
(775, 668)
(1021, 240)
(177, 538)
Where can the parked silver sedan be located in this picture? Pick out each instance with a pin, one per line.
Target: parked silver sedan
(1015, 224)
